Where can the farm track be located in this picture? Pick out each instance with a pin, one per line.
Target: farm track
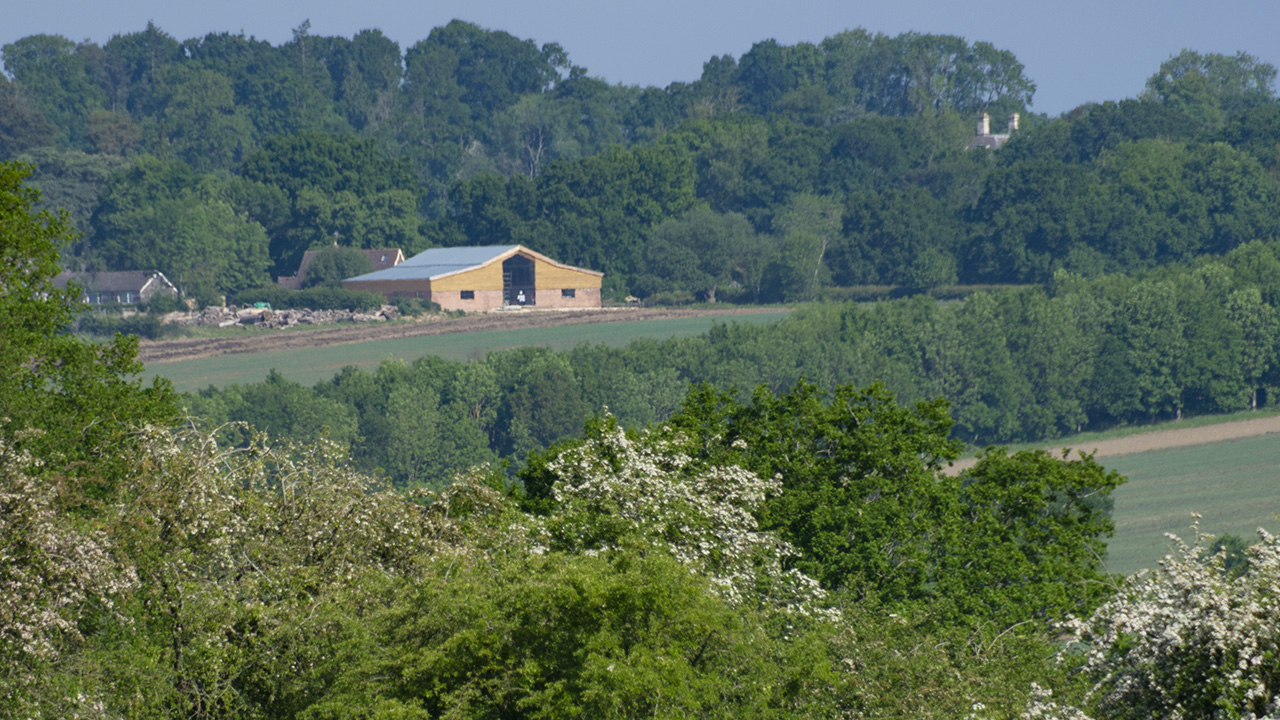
(1157, 440)
(154, 352)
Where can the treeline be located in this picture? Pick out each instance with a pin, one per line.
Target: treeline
(463, 100)
(776, 175)
(1024, 364)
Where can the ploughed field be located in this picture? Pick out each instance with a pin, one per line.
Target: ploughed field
(164, 351)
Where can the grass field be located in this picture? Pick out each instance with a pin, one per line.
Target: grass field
(310, 365)
(1234, 485)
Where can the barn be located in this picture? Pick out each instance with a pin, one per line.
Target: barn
(485, 278)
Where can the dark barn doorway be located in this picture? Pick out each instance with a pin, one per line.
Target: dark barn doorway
(517, 281)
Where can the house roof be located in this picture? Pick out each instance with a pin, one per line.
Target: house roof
(992, 142)
(382, 258)
(438, 262)
(125, 281)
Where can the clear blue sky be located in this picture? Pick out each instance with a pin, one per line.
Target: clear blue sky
(1075, 52)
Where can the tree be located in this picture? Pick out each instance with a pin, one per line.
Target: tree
(54, 74)
(864, 501)
(160, 215)
(769, 71)
(922, 74)
(64, 399)
(331, 265)
(597, 212)
(541, 401)
(1035, 527)
(54, 570)
(332, 185)
(703, 252)
(1151, 325)
(1194, 638)
(113, 134)
(198, 118)
(1259, 325)
(493, 68)
(73, 181)
(809, 224)
(627, 634)
(22, 126)
(532, 132)
(898, 237)
(370, 79)
(1208, 86)
(133, 62)
(858, 474)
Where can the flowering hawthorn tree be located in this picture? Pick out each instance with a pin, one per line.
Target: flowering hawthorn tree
(613, 486)
(1190, 640)
(53, 573)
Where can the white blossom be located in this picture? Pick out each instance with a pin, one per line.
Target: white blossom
(703, 516)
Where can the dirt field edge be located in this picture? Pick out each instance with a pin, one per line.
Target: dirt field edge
(1155, 440)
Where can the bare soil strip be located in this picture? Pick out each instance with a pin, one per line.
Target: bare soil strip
(1159, 440)
(154, 352)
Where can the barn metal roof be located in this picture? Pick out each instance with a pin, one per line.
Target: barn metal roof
(438, 261)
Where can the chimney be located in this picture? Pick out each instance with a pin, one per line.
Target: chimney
(1013, 123)
(984, 124)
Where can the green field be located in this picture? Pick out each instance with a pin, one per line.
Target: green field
(310, 365)
(1233, 485)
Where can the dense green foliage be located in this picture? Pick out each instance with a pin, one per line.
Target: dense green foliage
(1014, 365)
(267, 579)
(332, 265)
(63, 399)
(216, 159)
(799, 555)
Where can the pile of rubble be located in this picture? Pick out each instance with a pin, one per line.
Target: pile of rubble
(266, 317)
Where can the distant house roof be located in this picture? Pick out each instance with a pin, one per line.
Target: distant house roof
(984, 138)
(134, 281)
(381, 258)
(384, 258)
(438, 262)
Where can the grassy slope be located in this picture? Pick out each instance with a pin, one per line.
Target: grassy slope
(311, 365)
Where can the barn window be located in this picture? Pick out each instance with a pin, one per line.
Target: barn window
(467, 294)
(568, 293)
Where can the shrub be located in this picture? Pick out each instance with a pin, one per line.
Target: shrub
(413, 307)
(161, 304)
(672, 297)
(143, 325)
(316, 298)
